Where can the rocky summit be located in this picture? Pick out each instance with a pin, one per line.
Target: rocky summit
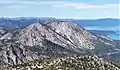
(53, 39)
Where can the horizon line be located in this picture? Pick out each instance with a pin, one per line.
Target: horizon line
(59, 18)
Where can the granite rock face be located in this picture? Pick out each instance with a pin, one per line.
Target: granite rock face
(52, 39)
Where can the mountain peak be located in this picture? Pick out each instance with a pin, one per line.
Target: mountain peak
(52, 22)
(53, 38)
(34, 25)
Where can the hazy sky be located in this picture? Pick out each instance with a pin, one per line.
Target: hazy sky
(76, 9)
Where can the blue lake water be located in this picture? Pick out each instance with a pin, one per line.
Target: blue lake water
(114, 34)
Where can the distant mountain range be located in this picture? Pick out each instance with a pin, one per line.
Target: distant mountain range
(24, 21)
(102, 26)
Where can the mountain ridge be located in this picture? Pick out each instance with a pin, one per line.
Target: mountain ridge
(53, 38)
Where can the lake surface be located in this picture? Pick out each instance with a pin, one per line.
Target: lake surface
(112, 32)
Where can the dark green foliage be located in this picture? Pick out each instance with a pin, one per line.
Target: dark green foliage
(85, 62)
(2, 47)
